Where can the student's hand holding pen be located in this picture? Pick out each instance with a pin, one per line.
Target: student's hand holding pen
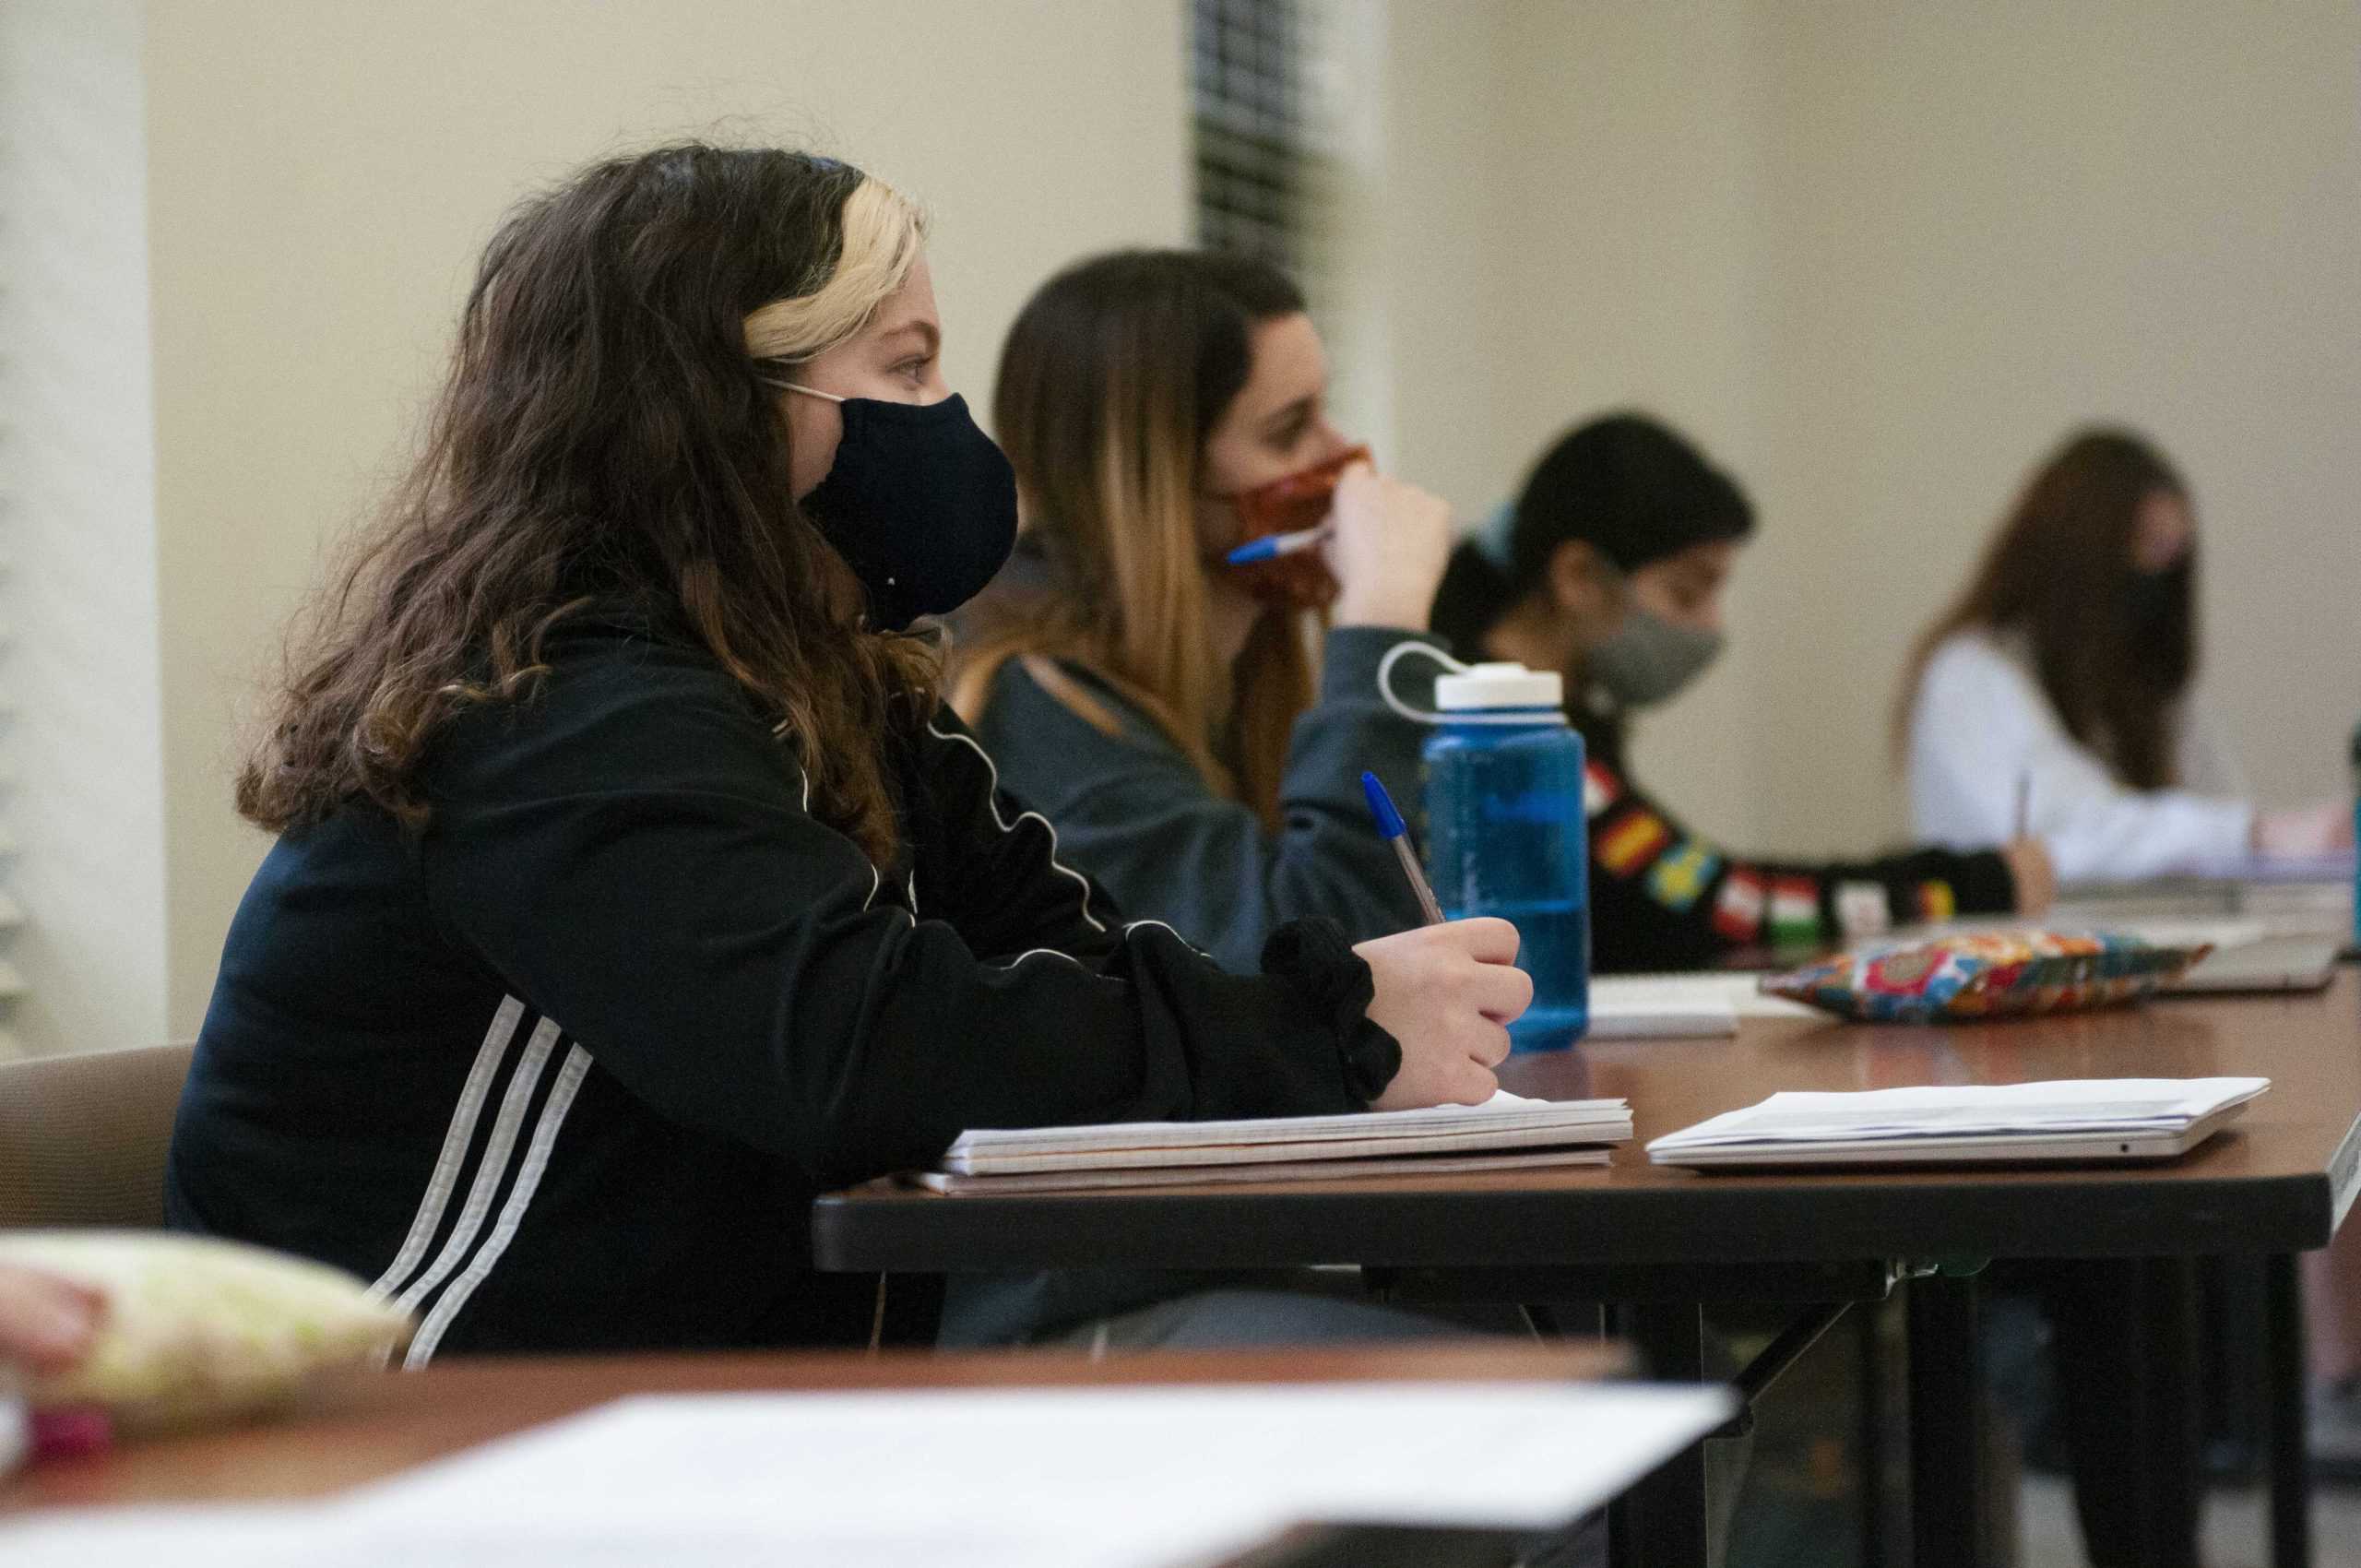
(2035, 874)
(2030, 871)
(1447, 993)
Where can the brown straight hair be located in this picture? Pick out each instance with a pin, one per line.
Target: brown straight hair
(2059, 575)
(1115, 374)
(604, 436)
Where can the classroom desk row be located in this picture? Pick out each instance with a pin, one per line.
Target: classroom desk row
(1660, 1244)
(372, 1427)
(1657, 1246)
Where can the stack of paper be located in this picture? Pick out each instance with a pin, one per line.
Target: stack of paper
(1505, 1131)
(2078, 1118)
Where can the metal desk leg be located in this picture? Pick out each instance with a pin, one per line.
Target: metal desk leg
(1664, 1519)
(1869, 1360)
(2291, 1490)
(2174, 1484)
(1947, 1511)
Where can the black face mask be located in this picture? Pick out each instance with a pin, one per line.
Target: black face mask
(2160, 616)
(2157, 601)
(920, 503)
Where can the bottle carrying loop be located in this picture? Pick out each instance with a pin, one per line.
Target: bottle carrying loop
(1430, 716)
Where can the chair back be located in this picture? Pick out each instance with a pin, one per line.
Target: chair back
(82, 1137)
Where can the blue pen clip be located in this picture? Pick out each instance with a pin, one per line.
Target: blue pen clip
(1381, 806)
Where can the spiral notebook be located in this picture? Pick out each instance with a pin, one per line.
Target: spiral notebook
(1507, 1130)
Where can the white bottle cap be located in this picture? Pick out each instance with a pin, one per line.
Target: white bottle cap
(1499, 685)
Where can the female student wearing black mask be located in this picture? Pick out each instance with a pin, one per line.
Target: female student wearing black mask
(631, 884)
(2068, 668)
(1612, 572)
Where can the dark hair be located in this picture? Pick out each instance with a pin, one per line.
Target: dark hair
(1115, 374)
(2059, 574)
(1629, 486)
(603, 435)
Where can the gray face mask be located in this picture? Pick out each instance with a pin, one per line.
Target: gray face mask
(1649, 659)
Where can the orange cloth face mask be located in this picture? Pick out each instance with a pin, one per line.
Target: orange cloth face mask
(1289, 504)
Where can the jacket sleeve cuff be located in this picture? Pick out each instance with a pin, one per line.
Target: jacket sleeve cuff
(1337, 987)
(1986, 884)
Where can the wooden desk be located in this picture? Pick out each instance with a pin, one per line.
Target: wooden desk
(2277, 1182)
(370, 1427)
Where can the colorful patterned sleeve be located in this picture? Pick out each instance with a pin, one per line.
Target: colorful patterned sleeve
(1663, 897)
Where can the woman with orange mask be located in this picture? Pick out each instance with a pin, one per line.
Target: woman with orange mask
(1197, 729)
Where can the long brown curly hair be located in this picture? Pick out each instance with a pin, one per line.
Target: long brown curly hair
(604, 434)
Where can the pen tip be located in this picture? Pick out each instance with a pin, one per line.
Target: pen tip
(1380, 805)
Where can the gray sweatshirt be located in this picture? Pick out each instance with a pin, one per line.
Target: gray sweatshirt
(1133, 813)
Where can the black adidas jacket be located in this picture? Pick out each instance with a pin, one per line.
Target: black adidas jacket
(564, 1069)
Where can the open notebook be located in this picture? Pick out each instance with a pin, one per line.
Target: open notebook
(2082, 1119)
(1507, 1130)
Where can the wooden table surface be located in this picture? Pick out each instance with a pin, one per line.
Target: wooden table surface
(2277, 1181)
(371, 1426)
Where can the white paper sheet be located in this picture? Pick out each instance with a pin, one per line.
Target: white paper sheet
(1158, 1463)
(331, 1535)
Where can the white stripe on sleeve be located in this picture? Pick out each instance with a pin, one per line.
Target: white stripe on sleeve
(455, 1139)
(512, 1212)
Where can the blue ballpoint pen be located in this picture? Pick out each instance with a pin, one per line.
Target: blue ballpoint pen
(1276, 544)
(1389, 825)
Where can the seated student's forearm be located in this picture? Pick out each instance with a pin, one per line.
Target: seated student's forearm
(2125, 836)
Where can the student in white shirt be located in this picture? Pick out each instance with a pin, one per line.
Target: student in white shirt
(2066, 669)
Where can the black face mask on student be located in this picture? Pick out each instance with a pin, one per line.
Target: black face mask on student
(2157, 601)
(920, 502)
(2160, 617)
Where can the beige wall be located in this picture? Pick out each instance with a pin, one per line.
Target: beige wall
(1878, 257)
(1568, 227)
(321, 178)
(1991, 223)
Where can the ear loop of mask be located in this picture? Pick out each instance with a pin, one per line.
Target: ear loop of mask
(798, 386)
(1428, 715)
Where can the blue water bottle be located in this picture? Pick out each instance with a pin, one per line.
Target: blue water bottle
(1506, 834)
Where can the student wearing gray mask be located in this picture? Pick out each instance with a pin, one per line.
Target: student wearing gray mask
(1610, 567)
